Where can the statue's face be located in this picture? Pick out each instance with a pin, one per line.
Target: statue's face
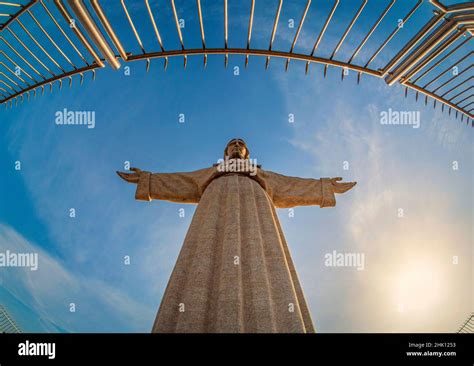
(236, 149)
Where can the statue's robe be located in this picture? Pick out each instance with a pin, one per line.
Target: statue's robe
(234, 272)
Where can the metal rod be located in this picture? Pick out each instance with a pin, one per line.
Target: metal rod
(79, 34)
(157, 32)
(321, 34)
(16, 65)
(460, 7)
(178, 28)
(374, 27)
(456, 86)
(413, 42)
(63, 33)
(348, 29)
(5, 91)
(226, 31)
(176, 20)
(39, 45)
(448, 68)
(226, 24)
(469, 96)
(300, 25)
(130, 21)
(441, 60)
(201, 26)
(50, 39)
(31, 52)
(19, 55)
(275, 26)
(85, 18)
(10, 79)
(17, 15)
(10, 4)
(91, 67)
(14, 73)
(249, 33)
(451, 79)
(439, 49)
(7, 85)
(254, 52)
(429, 44)
(460, 93)
(201, 23)
(298, 30)
(436, 97)
(108, 28)
(440, 6)
(394, 32)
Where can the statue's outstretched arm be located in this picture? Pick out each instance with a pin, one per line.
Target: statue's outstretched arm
(294, 191)
(180, 187)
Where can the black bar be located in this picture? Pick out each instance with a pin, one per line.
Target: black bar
(369, 347)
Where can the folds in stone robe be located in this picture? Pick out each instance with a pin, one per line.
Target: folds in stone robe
(234, 272)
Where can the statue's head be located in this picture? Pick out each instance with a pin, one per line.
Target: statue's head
(236, 149)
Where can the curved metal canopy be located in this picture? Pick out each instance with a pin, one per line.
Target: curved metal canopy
(435, 62)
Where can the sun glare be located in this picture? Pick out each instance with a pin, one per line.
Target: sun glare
(418, 286)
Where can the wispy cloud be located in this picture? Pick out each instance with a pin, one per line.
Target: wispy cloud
(52, 289)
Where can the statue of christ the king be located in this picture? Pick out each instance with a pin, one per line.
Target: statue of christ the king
(234, 273)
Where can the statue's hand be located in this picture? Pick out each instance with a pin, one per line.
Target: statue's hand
(131, 177)
(341, 187)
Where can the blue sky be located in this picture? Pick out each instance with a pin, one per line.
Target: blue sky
(409, 282)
